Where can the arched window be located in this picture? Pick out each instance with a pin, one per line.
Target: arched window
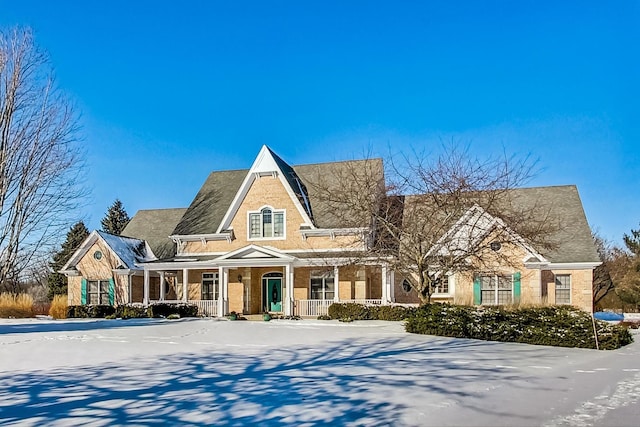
(266, 223)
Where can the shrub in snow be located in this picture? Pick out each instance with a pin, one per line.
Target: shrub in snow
(369, 312)
(131, 311)
(166, 309)
(562, 326)
(89, 311)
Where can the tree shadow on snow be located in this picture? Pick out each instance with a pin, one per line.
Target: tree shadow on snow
(74, 325)
(349, 382)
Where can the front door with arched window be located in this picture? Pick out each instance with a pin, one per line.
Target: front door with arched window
(272, 292)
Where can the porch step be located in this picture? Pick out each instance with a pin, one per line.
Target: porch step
(254, 317)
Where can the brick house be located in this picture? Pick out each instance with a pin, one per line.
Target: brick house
(262, 240)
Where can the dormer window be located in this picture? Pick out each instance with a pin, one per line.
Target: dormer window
(268, 223)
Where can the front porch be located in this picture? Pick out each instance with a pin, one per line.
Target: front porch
(287, 290)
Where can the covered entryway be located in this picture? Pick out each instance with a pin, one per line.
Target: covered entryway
(272, 292)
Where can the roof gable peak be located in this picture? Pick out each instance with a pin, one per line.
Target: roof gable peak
(269, 163)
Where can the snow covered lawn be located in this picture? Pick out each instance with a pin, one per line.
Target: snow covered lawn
(216, 372)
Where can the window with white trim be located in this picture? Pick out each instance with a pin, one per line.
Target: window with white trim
(266, 223)
(563, 289)
(210, 286)
(496, 289)
(322, 286)
(97, 291)
(441, 286)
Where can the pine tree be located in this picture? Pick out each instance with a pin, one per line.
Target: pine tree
(116, 219)
(58, 282)
(633, 242)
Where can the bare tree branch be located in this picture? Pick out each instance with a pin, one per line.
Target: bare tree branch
(40, 161)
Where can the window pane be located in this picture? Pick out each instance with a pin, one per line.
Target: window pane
(563, 289)
(504, 297)
(504, 282)
(487, 282)
(278, 230)
(254, 219)
(488, 297)
(104, 292)
(328, 284)
(316, 288)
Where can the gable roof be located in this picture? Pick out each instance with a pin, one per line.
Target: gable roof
(127, 251)
(559, 207)
(572, 237)
(268, 163)
(155, 226)
(471, 229)
(212, 204)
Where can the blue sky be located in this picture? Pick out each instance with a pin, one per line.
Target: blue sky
(169, 91)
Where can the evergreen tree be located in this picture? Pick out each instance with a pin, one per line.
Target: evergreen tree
(633, 242)
(57, 282)
(116, 219)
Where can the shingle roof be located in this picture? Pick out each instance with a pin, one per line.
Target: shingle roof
(335, 177)
(210, 205)
(573, 236)
(212, 201)
(155, 226)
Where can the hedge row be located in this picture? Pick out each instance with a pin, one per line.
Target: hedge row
(132, 311)
(352, 311)
(562, 326)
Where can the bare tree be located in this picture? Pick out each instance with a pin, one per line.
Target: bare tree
(602, 281)
(433, 215)
(40, 162)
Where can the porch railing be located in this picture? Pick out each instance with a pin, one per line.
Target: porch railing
(207, 308)
(320, 307)
(312, 307)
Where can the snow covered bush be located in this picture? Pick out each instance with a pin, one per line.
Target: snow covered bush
(562, 326)
(369, 312)
(131, 311)
(89, 311)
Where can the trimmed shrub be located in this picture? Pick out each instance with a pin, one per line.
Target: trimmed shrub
(131, 311)
(369, 312)
(90, 311)
(166, 309)
(16, 305)
(391, 312)
(58, 309)
(562, 326)
(350, 310)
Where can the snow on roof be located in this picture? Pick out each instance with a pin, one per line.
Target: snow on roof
(129, 250)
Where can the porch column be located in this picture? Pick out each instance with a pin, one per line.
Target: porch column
(162, 290)
(145, 297)
(385, 283)
(223, 301)
(392, 286)
(336, 283)
(288, 308)
(185, 284)
(129, 288)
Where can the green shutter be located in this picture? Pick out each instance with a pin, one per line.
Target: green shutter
(516, 287)
(477, 300)
(83, 292)
(112, 291)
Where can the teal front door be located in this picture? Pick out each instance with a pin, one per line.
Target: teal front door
(274, 294)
